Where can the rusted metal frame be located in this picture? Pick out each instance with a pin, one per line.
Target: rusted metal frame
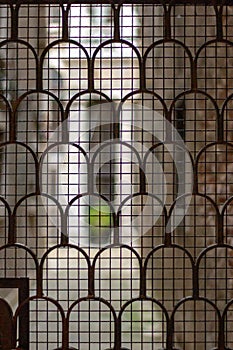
(26, 303)
(91, 275)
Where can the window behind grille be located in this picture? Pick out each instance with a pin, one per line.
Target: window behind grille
(116, 174)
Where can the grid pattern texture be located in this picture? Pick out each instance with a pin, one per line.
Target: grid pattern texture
(116, 185)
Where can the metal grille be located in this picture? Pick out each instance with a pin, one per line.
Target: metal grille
(116, 175)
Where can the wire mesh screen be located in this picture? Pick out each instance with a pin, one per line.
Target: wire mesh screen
(116, 186)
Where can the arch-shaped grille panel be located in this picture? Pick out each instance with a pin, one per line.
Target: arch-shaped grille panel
(116, 176)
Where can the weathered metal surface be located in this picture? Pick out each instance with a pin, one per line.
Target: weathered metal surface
(165, 288)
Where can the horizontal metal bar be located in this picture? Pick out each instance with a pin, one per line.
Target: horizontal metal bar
(115, 2)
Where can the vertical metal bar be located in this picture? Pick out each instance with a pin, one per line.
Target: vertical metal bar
(24, 330)
(14, 21)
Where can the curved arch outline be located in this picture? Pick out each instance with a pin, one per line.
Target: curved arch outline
(140, 92)
(186, 300)
(23, 97)
(153, 301)
(164, 42)
(196, 91)
(85, 92)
